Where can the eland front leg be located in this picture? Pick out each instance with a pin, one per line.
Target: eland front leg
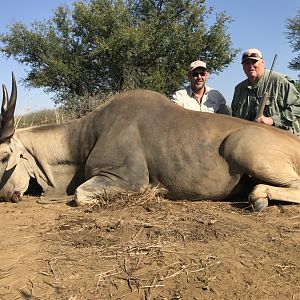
(90, 191)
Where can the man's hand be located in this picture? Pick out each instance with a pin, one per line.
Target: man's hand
(265, 120)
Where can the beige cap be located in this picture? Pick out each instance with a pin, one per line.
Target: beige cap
(252, 53)
(197, 64)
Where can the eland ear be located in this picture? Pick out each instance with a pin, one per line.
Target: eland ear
(7, 126)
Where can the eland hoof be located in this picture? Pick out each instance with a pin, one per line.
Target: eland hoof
(259, 205)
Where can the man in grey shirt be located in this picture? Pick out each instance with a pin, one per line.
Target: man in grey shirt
(198, 96)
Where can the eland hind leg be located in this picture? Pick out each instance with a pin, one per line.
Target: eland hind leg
(262, 193)
(269, 157)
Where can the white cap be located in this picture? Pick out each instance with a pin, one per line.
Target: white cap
(197, 64)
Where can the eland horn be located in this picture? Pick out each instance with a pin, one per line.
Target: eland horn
(7, 128)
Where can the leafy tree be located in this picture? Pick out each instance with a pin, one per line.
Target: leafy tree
(104, 46)
(293, 35)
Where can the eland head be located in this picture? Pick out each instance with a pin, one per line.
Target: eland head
(13, 182)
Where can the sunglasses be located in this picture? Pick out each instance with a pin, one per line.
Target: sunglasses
(197, 73)
(253, 55)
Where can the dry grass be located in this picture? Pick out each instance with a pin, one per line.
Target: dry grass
(42, 117)
(129, 198)
(77, 108)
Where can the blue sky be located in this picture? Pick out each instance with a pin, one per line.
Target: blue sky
(256, 24)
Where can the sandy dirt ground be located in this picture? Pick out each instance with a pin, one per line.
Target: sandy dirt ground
(142, 246)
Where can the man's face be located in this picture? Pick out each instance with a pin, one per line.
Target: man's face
(253, 69)
(198, 78)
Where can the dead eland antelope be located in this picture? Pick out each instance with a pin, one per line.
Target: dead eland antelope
(139, 138)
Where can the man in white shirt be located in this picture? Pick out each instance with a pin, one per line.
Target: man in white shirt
(197, 96)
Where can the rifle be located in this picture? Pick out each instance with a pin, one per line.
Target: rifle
(265, 96)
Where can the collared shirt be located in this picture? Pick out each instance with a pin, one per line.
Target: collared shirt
(212, 100)
(283, 103)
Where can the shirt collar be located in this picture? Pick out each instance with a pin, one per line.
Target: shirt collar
(191, 93)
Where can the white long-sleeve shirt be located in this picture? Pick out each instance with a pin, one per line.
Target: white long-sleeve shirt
(212, 100)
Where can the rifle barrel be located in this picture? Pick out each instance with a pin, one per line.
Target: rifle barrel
(265, 94)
